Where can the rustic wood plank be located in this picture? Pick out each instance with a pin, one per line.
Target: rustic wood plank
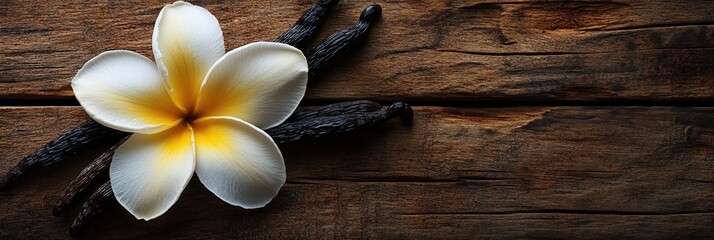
(539, 172)
(465, 50)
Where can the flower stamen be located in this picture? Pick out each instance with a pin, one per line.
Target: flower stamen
(190, 118)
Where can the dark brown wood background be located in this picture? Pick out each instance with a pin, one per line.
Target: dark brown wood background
(534, 119)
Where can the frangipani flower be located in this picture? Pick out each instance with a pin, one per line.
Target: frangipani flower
(197, 109)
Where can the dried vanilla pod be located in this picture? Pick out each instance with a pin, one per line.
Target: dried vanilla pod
(344, 40)
(307, 25)
(98, 170)
(327, 125)
(336, 109)
(93, 206)
(85, 136)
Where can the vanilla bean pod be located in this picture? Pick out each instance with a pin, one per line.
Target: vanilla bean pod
(327, 125)
(96, 171)
(83, 137)
(336, 109)
(341, 42)
(307, 25)
(93, 206)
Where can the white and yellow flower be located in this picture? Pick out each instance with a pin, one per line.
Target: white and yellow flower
(198, 109)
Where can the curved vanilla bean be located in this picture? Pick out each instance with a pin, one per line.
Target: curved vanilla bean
(94, 205)
(344, 40)
(82, 137)
(327, 125)
(306, 27)
(96, 171)
(336, 109)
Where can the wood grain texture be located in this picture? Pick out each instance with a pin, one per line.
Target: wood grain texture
(461, 50)
(550, 172)
(494, 173)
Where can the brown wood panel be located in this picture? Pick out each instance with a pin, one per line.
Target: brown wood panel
(538, 172)
(658, 50)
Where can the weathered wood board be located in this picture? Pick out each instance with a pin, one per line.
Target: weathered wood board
(650, 51)
(629, 156)
(541, 172)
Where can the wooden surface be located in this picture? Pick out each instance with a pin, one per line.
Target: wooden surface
(549, 120)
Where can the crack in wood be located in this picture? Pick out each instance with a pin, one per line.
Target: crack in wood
(562, 211)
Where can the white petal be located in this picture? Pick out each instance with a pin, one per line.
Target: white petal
(261, 83)
(187, 41)
(149, 172)
(123, 90)
(237, 161)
